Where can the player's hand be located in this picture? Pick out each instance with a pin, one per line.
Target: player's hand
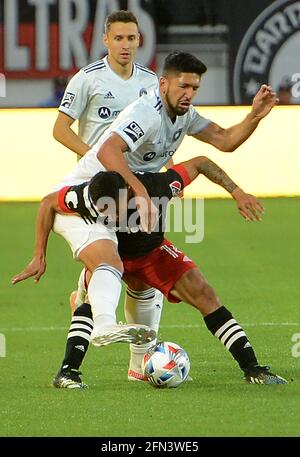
(264, 101)
(36, 268)
(248, 205)
(148, 212)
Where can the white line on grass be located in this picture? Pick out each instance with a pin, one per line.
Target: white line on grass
(55, 329)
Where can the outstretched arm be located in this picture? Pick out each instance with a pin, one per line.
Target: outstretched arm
(43, 226)
(248, 206)
(229, 139)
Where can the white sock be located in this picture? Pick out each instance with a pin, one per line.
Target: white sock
(142, 307)
(104, 292)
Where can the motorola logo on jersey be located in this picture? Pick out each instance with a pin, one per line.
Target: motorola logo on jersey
(149, 156)
(104, 112)
(134, 131)
(143, 92)
(68, 99)
(177, 135)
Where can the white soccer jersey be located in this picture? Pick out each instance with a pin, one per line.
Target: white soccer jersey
(151, 136)
(96, 95)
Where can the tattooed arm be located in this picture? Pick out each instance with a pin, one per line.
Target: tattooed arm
(248, 206)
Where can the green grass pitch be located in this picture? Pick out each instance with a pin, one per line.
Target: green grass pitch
(254, 268)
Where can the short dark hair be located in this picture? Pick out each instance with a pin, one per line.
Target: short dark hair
(183, 62)
(106, 184)
(119, 16)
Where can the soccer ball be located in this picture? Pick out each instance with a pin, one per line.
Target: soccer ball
(166, 365)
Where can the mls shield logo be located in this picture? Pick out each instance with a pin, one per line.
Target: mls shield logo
(68, 99)
(175, 187)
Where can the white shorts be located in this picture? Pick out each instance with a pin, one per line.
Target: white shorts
(78, 234)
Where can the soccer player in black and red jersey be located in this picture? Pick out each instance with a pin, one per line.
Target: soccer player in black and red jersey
(153, 260)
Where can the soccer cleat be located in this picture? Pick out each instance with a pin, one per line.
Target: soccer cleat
(69, 379)
(124, 333)
(134, 375)
(262, 375)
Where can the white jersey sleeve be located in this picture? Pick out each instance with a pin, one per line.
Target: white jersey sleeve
(76, 96)
(197, 123)
(136, 124)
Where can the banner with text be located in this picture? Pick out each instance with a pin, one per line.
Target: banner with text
(47, 38)
(264, 43)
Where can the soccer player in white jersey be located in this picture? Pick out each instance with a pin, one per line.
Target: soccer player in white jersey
(101, 90)
(98, 93)
(147, 132)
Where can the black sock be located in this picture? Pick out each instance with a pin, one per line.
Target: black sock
(221, 324)
(79, 337)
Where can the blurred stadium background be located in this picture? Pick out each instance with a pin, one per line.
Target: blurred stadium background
(244, 44)
(45, 41)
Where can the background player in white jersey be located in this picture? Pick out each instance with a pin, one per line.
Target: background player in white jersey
(98, 93)
(101, 90)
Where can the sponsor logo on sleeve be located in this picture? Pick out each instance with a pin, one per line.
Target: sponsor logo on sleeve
(175, 187)
(68, 99)
(134, 131)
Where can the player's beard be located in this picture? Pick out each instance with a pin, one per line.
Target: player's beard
(176, 108)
